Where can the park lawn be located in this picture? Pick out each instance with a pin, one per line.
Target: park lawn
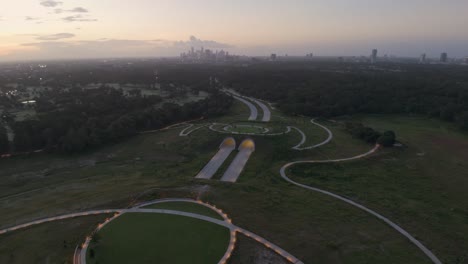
(189, 207)
(421, 186)
(242, 128)
(157, 238)
(52, 242)
(315, 228)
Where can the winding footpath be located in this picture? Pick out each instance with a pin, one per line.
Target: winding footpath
(226, 222)
(304, 138)
(399, 229)
(188, 130)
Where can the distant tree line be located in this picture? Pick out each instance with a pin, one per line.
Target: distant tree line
(4, 144)
(333, 89)
(76, 120)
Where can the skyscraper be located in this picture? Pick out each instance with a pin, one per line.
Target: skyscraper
(423, 58)
(374, 56)
(443, 57)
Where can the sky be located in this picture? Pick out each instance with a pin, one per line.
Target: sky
(59, 29)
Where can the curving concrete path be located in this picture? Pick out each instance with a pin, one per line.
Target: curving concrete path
(246, 148)
(226, 223)
(399, 229)
(188, 130)
(253, 109)
(266, 111)
(211, 127)
(304, 138)
(227, 146)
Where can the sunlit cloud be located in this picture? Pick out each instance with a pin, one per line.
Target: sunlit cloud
(78, 18)
(56, 36)
(51, 48)
(29, 18)
(74, 10)
(51, 3)
(196, 42)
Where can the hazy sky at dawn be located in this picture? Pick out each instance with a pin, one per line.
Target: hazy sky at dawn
(36, 29)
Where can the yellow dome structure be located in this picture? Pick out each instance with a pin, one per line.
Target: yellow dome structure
(247, 144)
(228, 142)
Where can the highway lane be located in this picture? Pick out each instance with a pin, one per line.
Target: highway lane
(253, 110)
(266, 111)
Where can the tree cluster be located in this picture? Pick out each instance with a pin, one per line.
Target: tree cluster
(329, 90)
(369, 135)
(4, 144)
(76, 120)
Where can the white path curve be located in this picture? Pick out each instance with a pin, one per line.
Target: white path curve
(253, 109)
(399, 229)
(188, 130)
(211, 127)
(226, 223)
(304, 138)
(266, 111)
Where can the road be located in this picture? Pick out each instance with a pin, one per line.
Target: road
(234, 170)
(225, 149)
(253, 109)
(399, 229)
(266, 111)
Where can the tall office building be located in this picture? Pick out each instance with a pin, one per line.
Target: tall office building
(423, 58)
(374, 56)
(443, 57)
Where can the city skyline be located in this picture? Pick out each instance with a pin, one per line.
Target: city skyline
(49, 29)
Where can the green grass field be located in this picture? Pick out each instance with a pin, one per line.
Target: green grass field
(47, 243)
(422, 187)
(155, 238)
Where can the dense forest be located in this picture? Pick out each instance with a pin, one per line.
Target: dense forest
(78, 119)
(4, 144)
(335, 89)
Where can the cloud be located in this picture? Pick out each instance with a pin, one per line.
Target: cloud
(196, 42)
(78, 18)
(29, 18)
(79, 10)
(56, 36)
(55, 47)
(50, 3)
(74, 10)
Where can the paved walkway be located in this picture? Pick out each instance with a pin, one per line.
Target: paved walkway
(211, 127)
(225, 149)
(425, 250)
(253, 109)
(189, 129)
(304, 138)
(226, 223)
(234, 170)
(266, 111)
